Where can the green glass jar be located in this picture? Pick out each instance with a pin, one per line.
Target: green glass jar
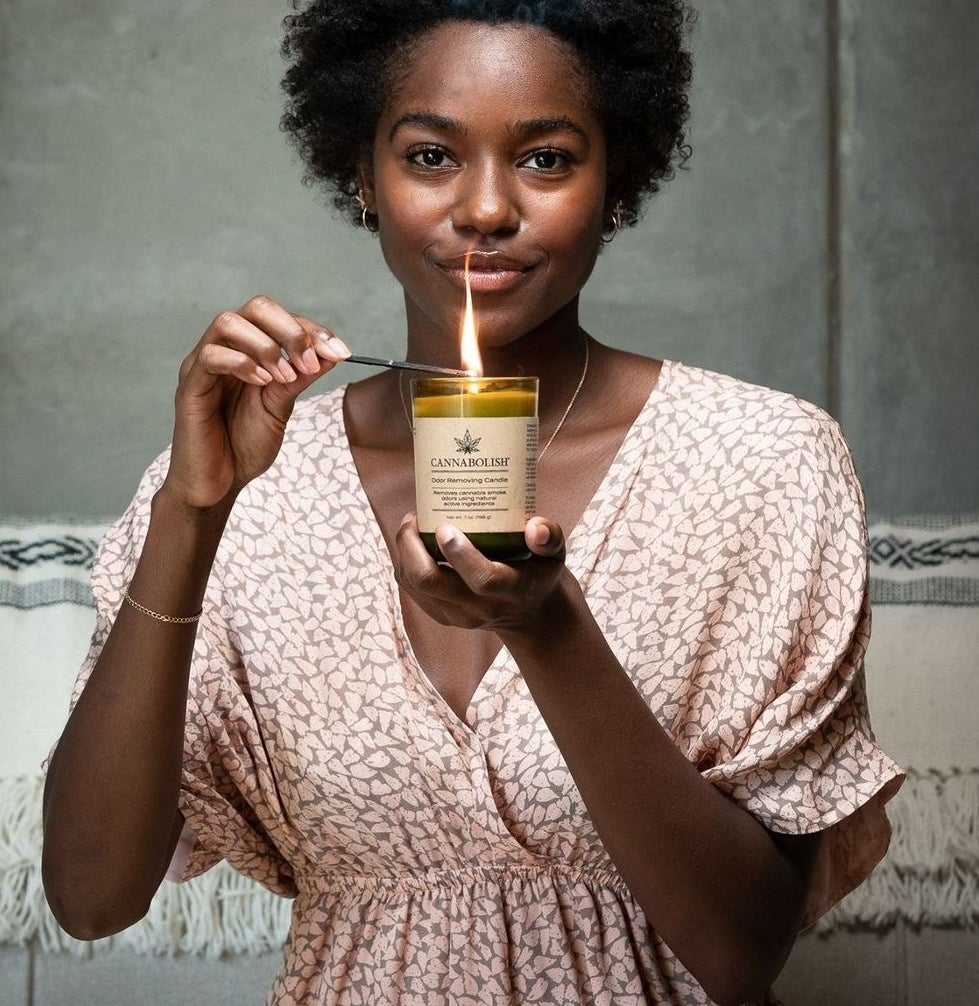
(475, 445)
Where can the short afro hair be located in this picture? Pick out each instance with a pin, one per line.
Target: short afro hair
(343, 55)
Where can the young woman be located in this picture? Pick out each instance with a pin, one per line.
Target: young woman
(625, 770)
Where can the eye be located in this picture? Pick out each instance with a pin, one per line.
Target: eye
(429, 157)
(547, 161)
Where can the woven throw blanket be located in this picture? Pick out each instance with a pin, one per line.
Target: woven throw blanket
(923, 681)
(928, 560)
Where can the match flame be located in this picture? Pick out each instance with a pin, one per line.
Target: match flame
(468, 335)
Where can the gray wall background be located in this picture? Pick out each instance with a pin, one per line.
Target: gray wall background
(823, 240)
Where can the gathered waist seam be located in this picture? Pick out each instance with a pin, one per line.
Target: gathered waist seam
(339, 881)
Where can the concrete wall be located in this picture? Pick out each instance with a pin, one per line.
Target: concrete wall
(824, 241)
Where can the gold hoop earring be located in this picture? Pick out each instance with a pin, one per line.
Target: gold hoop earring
(608, 234)
(365, 215)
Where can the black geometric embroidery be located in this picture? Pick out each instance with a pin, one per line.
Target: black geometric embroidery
(67, 550)
(893, 552)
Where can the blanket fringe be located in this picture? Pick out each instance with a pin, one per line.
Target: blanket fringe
(930, 878)
(218, 914)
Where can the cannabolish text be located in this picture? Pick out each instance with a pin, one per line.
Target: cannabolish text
(470, 462)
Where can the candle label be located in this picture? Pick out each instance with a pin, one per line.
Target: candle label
(478, 473)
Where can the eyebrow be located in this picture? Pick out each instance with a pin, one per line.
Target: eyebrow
(440, 122)
(533, 127)
(528, 128)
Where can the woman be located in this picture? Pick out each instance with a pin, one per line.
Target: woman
(623, 771)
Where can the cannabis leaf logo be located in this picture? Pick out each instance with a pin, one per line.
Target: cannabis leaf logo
(468, 444)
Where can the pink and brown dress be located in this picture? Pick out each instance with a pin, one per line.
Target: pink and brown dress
(438, 860)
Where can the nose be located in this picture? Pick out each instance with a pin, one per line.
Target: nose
(487, 202)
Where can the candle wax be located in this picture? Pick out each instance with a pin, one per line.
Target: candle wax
(460, 476)
(479, 404)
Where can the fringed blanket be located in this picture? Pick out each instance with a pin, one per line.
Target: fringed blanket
(923, 680)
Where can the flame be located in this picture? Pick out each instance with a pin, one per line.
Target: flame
(468, 334)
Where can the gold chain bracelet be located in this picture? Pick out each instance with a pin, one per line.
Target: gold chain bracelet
(172, 619)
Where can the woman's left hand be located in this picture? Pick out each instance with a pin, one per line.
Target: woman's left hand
(473, 592)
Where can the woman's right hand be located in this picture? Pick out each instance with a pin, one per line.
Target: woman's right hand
(236, 391)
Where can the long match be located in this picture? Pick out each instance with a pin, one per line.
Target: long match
(373, 361)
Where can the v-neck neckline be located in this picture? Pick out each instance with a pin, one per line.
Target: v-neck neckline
(592, 516)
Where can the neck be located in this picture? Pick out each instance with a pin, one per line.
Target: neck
(549, 354)
(553, 352)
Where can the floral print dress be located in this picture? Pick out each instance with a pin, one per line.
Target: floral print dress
(443, 860)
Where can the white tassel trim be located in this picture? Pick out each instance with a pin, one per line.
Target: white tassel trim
(220, 913)
(930, 877)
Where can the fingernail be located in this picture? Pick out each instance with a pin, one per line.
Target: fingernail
(310, 361)
(285, 371)
(331, 347)
(447, 536)
(542, 534)
(263, 375)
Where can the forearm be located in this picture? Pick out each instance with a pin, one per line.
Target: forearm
(708, 876)
(110, 801)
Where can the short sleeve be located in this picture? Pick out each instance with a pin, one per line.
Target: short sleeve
(800, 754)
(229, 796)
(227, 777)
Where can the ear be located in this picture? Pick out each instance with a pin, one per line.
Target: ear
(365, 183)
(614, 184)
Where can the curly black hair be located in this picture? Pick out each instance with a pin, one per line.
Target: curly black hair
(343, 56)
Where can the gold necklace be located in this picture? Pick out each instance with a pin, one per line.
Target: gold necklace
(561, 421)
(567, 411)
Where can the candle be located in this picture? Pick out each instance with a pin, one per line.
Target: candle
(475, 445)
(475, 441)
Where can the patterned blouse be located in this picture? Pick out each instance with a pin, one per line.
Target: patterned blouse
(438, 860)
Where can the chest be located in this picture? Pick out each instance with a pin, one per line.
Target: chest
(365, 744)
(455, 659)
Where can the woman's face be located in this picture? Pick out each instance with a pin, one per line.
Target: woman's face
(489, 142)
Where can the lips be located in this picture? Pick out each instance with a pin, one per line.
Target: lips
(488, 271)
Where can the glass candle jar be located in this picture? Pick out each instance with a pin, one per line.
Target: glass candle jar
(475, 444)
